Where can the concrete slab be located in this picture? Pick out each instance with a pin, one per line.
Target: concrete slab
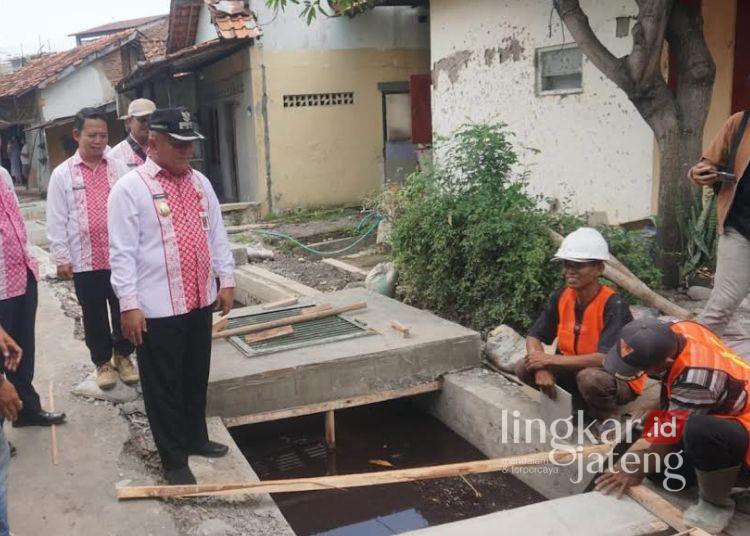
(265, 516)
(382, 361)
(587, 514)
(255, 284)
(479, 405)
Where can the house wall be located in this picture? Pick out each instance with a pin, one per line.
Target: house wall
(595, 151)
(88, 86)
(229, 80)
(328, 155)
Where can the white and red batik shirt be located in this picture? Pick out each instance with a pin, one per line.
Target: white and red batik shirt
(15, 250)
(167, 242)
(124, 152)
(77, 212)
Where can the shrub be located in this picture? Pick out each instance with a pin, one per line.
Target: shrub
(472, 245)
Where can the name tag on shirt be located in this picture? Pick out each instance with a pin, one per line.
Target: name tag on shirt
(204, 221)
(82, 187)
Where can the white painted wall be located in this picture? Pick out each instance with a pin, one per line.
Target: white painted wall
(88, 86)
(596, 151)
(381, 28)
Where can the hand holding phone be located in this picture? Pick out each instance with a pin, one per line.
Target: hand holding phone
(726, 177)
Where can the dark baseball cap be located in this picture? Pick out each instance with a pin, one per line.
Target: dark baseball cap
(177, 122)
(643, 343)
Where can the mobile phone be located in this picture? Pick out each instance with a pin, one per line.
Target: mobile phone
(726, 177)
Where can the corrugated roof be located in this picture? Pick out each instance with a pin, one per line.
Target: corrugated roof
(120, 25)
(46, 69)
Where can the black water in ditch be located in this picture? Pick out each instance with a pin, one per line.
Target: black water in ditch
(378, 437)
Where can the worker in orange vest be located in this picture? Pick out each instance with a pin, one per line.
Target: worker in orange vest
(707, 388)
(586, 318)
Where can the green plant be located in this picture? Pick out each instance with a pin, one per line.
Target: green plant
(697, 225)
(473, 246)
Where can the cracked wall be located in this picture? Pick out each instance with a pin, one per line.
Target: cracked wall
(596, 153)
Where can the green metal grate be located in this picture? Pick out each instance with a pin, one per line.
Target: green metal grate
(312, 332)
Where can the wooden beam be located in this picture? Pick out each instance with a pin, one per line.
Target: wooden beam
(360, 479)
(663, 509)
(402, 329)
(220, 324)
(254, 328)
(274, 333)
(330, 429)
(341, 403)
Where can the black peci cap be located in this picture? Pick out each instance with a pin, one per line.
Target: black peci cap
(643, 343)
(177, 122)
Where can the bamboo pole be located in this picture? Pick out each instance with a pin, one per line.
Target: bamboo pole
(620, 275)
(254, 328)
(53, 428)
(360, 479)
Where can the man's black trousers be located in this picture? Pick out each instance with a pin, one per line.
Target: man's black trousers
(18, 316)
(98, 302)
(174, 361)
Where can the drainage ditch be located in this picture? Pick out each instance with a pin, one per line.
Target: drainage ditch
(396, 434)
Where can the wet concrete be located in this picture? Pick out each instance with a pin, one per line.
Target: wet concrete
(396, 434)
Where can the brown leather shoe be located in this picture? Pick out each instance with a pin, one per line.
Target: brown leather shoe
(125, 367)
(106, 376)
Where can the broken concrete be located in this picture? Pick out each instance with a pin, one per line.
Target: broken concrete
(383, 360)
(591, 513)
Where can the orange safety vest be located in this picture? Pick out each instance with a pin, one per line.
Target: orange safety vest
(589, 331)
(705, 350)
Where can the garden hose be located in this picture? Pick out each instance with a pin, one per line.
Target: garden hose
(373, 218)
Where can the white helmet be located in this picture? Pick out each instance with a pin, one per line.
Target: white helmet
(582, 245)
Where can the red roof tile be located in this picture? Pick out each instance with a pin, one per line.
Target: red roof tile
(233, 19)
(46, 69)
(154, 40)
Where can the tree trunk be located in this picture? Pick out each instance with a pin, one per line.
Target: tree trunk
(679, 149)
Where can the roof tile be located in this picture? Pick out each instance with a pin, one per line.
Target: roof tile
(47, 68)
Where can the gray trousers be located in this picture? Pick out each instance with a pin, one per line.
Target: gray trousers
(731, 284)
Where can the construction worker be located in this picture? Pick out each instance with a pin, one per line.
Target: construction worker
(168, 248)
(19, 273)
(132, 150)
(704, 379)
(586, 318)
(79, 242)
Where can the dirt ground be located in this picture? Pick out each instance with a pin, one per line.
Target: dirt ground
(310, 272)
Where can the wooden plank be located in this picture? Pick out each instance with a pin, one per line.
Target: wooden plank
(317, 309)
(342, 403)
(274, 333)
(254, 328)
(341, 265)
(278, 304)
(359, 479)
(663, 509)
(220, 324)
(331, 429)
(402, 329)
